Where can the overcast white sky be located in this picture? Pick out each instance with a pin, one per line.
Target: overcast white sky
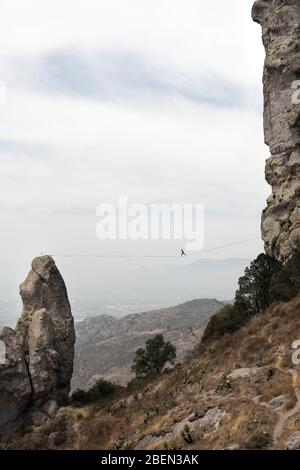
(158, 100)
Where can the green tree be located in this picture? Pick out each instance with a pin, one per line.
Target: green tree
(255, 287)
(151, 360)
(226, 320)
(101, 390)
(286, 283)
(255, 294)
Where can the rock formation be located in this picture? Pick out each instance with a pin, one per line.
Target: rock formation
(49, 333)
(280, 21)
(15, 386)
(39, 354)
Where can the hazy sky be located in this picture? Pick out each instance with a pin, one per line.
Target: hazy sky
(157, 100)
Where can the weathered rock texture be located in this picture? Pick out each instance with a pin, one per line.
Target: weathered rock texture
(39, 354)
(15, 385)
(49, 333)
(280, 21)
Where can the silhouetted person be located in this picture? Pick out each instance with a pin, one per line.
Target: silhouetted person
(183, 253)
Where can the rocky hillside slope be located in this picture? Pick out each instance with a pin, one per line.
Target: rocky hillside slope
(105, 346)
(241, 392)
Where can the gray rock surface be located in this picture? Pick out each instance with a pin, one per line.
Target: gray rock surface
(204, 426)
(280, 21)
(39, 353)
(43, 358)
(280, 402)
(44, 288)
(243, 373)
(15, 386)
(293, 442)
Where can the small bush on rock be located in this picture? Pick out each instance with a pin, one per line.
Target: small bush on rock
(258, 441)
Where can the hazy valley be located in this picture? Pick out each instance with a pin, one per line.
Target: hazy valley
(105, 346)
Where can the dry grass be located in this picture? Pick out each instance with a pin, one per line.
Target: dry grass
(194, 388)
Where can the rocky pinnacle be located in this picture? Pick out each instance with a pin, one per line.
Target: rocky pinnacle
(280, 21)
(38, 368)
(48, 328)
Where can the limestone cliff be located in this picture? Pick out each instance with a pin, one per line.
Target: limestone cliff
(280, 21)
(39, 354)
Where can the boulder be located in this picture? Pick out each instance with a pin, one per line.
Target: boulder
(243, 373)
(280, 402)
(293, 442)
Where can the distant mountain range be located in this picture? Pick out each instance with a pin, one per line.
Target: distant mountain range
(160, 286)
(105, 345)
(148, 288)
(166, 284)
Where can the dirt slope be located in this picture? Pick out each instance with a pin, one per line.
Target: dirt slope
(241, 392)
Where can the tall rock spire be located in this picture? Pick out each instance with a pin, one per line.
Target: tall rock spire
(280, 21)
(38, 365)
(47, 326)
